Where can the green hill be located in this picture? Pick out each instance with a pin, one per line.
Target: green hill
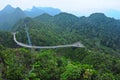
(97, 31)
(98, 60)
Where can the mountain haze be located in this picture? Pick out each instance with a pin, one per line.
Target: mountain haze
(9, 15)
(36, 11)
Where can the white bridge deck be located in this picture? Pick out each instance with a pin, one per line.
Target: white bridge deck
(77, 44)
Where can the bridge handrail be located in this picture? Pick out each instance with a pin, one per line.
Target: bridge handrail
(78, 44)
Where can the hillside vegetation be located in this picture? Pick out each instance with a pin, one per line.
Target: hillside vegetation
(98, 60)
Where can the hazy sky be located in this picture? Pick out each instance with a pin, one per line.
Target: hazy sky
(74, 6)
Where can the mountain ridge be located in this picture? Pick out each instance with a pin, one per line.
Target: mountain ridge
(104, 32)
(36, 11)
(9, 15)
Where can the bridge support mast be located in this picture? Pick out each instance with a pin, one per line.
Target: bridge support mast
(28, 37)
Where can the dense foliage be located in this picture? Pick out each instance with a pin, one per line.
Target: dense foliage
(96, 32)
(19, 64)
(98, 60)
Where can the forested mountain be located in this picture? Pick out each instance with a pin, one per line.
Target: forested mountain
(7, 9)
(9, 16)
(98, 60)
(97, 28)
(106, 30)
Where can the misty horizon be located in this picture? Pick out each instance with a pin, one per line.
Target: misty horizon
(79, 7)
(110, 13)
